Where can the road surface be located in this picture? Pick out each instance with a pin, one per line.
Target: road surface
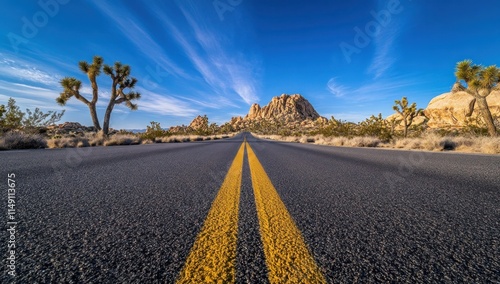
(246, 210)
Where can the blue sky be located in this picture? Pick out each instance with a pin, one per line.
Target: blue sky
(350, 59)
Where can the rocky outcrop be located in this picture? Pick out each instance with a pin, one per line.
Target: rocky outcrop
(452, 110)
(455, 109)
(285, 107)
(200, 122)
(398, 120)
(290, 111)
(70, 128)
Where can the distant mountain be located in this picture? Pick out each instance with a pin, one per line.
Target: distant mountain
(136, 130)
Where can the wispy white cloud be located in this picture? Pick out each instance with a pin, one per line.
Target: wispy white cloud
(164, 105)
(130, 27)
(224, 71)
(33, 103)
(18, 90)
(383, 59)
(35, 85)
(335, 88)
(212, 102)
(19, 70)
(384, 56)
(371, 91)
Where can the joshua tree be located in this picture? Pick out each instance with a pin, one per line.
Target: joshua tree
(480, 82)
(407, 112)
(120, 82)
(71, 87)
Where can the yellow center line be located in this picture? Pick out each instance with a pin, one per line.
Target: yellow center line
(287, 256)
(213, 255)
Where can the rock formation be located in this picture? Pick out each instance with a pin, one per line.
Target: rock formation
(290, 110)
(70, 128)
(452, 110)
(397, 119)
(200, 122)
(287, 107)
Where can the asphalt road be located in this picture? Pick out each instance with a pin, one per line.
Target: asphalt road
(131, 214)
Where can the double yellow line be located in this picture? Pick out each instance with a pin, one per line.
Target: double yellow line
(213, 255)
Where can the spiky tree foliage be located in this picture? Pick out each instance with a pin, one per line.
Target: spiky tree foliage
(71, 88)
(480, 82)
(226, 128)
(407, 112)
(13, 116)
(121, 82)
(337, 127)
(375, 126)
(2, 111)
(213, 128)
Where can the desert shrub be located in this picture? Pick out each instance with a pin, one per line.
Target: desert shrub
(154, 131)
(20, 140)
(337, 127)
(71, 142)
(475, 126)
(375, 126)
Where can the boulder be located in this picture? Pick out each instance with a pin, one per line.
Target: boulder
(453, 109)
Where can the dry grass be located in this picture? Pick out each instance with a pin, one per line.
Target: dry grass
(331, 141)
(68, 142)
(122, 139)
(429, 142)
(93, 139)
(191, 138)
(20, 140)
(433, 142)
